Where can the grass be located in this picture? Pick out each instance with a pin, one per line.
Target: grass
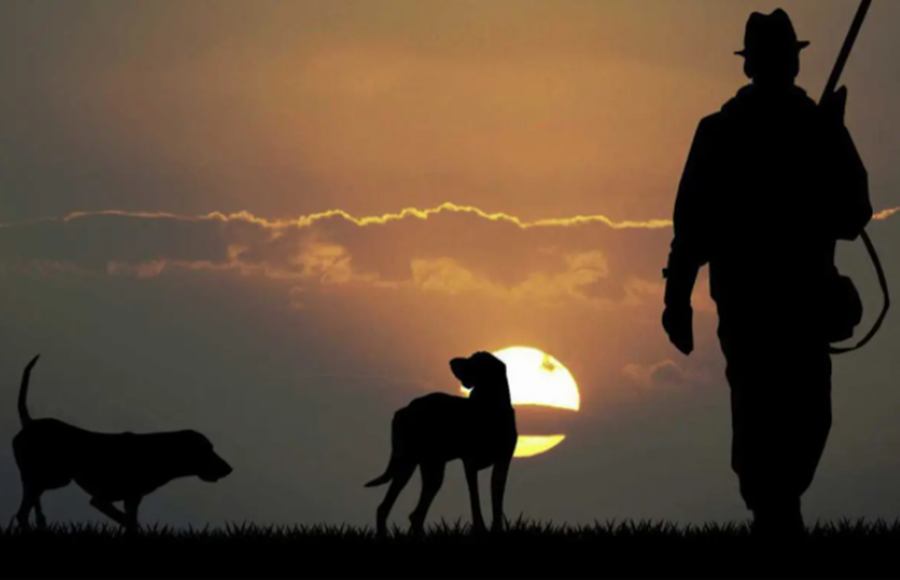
(526, 550)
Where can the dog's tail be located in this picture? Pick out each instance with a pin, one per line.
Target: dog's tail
(396, 449)
(384, 477)
(24, 416)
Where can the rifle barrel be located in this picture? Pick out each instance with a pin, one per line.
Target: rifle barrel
(845, 50)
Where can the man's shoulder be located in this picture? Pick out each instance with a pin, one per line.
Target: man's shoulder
(712, 120)
(711, 125)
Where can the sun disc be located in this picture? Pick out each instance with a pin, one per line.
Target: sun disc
(531, 445)
(537, 378)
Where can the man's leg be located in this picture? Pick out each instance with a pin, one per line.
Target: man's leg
(781, 416)
(814, 406)
(762, 457)
(811, 421)
(753, 448)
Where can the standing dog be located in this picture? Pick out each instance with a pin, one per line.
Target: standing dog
(110, 467)
(437, 428)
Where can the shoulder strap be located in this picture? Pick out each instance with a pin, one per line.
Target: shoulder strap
(884, 290)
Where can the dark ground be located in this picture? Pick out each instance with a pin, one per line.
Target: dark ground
(527, 550)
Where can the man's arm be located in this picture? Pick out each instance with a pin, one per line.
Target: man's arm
(689, 249)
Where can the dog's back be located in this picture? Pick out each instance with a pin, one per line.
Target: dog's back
(444, 427)
(46, 450)
(437, 426)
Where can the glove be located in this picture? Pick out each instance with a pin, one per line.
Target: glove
(678, 324)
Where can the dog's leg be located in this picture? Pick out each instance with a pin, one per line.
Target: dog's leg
(472, 481)
(498, 487)
(131, 515)
(29, 498)
(401, 478)
(39, 514)
(110, 511)
(432, 479)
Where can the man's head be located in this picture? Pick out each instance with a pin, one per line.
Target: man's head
(771, 49)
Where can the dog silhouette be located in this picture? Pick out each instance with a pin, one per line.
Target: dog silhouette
(438, 427)
(110, 467)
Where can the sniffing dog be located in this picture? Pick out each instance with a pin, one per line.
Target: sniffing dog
(110, 467)
(438, 427)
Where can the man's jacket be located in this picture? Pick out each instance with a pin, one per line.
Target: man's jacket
(770, 184)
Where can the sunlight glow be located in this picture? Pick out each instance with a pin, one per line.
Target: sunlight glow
(530, 445)
(537, 378)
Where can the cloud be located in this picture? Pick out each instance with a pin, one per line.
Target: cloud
(386, 218)
(406, 213)
(663, 374)
(581, 271)
(448, 276)
(329, 263)
(449, 249)
(885, 213)
(140, 270)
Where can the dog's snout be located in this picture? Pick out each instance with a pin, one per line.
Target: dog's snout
(215, 469)
(221, 467)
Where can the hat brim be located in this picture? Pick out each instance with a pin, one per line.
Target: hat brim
(800, 45)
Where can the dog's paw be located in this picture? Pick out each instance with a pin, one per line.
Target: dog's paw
(417, 532)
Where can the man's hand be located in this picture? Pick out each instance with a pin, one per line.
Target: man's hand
(678, 323)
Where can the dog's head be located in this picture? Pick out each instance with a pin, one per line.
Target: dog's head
(483, 374)
(206, 463)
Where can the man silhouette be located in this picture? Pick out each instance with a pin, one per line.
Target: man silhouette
(771, 182)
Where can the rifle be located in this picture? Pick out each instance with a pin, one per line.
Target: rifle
(830, 88)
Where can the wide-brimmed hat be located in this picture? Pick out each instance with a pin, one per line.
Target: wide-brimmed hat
(770, 34)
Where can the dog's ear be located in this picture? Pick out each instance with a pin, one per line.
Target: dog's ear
(462, 370)
(477, 368)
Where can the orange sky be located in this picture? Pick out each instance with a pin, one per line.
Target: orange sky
(272, 330)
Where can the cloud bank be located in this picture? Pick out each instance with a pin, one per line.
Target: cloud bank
(449, 249)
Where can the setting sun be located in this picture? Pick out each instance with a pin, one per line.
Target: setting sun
(537, 378)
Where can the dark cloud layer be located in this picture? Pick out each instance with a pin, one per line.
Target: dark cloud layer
(449, 251)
